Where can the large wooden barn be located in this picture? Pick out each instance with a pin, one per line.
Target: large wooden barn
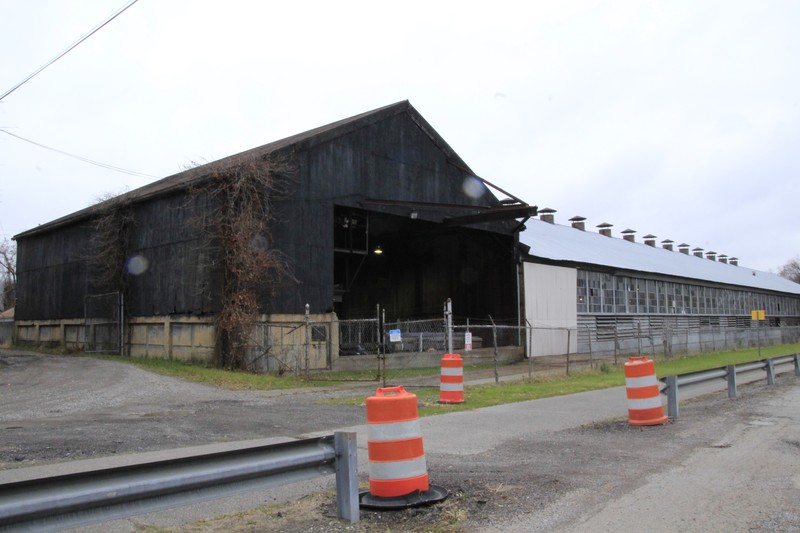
(159, 259)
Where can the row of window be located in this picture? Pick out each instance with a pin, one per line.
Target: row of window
(599, 292)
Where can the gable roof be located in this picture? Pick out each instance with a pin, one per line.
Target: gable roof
(303, 140)
(556, 242)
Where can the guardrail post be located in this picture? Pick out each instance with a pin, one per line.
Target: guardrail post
(770, 368)
(672, 397)
(347, 507)
(731, 377)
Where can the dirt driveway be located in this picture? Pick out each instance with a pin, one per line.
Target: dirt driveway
(726, 465)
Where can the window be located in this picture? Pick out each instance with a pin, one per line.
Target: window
(582, 293)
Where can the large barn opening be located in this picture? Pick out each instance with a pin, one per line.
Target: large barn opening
(409, 267)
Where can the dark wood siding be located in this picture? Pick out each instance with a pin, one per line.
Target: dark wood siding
(51, 274)
(390, 156)
(390, 160)
(170, 233)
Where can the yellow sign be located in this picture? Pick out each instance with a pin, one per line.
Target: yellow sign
(758, 314)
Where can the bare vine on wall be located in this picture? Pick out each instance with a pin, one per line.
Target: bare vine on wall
(240, 199)
(108, 243)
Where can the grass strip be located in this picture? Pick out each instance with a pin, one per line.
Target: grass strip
(541, 386)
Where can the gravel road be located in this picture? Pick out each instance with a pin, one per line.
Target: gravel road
(57, 408)
(725, 465)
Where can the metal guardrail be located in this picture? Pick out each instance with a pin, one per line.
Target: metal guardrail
(674, 383)
(74, 500)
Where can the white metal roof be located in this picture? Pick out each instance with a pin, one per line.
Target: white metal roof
(565, 243)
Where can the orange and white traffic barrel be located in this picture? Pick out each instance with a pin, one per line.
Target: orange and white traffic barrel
(398, 473)
(451, 380)
(644, 400)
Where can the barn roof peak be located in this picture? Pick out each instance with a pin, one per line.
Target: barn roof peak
(310, 137)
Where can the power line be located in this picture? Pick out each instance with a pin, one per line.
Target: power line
(73, 45)
(79, 158)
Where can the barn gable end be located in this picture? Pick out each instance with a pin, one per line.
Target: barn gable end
(387, 170)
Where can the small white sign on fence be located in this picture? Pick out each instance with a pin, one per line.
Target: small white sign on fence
(467, 341)
(394, 335)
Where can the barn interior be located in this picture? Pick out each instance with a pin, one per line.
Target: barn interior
(410, 267)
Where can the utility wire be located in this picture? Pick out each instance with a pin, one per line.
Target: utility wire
(73, 45)
(79, 158)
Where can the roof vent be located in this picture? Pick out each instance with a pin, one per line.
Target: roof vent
(698, 252)
(628, 235)
(722, 258)
(650, 240)
(546, 215)
(733, 261)
(711, 256)
(667, 244)
(684, 248)
(578, 223)
(605, 229)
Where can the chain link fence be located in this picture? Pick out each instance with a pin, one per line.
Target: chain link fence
(389, 347)
(671, 341)
(103, 322)
(290, 347)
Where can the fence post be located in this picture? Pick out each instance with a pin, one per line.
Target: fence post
(639, 335)
(797, 364)
(382, 337)
(122, 326)
(448, 321)
(308, 338)
(731, 377)
(494, 342)
(591, 355)
(568, 351)
(650, 335)
(770, 368)
(672, 397)
(758, 336)
(569, 340)
(344, 444)
(530, 352)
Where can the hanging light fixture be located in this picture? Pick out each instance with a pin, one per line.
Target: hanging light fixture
(377, 250)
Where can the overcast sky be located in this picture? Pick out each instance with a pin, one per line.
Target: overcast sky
(676, 118)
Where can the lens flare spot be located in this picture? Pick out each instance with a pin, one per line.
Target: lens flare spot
(473, 187)
(137, 265)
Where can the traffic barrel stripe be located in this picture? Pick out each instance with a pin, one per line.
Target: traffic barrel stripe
(396, 450)
(396, 431)
(451, 379)
(397, 465)
(642, 391)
